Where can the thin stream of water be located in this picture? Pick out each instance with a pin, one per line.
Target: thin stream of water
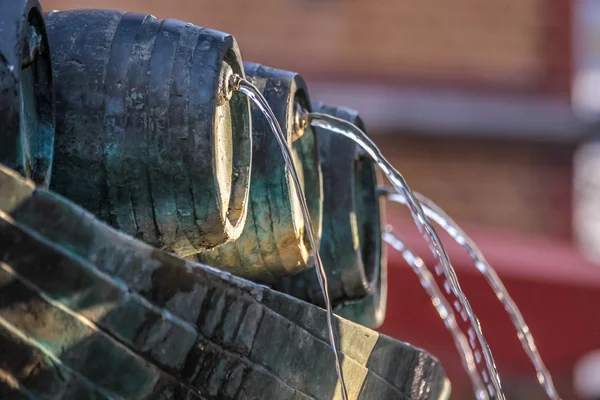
(443, 308)
(245, 87)
(525, 337)
(352, 132)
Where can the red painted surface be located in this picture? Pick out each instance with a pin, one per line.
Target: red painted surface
(557, 290)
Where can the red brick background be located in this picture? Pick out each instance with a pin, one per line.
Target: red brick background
(504, 44)
(521, 186)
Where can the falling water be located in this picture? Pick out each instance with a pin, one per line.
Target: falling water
(242, 85)
(443, 308)
(443, 220)
(352, 132)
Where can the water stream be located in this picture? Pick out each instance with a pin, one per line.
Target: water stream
(444, 310)
(245, 87)
(525, 337)
(352, 132)
(486, 381)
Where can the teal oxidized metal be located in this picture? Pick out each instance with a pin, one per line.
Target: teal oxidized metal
(26, 91)
(351, 248)
(274, 242)
(90, 313)
(145, 138)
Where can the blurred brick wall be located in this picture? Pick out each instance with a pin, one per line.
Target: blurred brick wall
(505, 44)
(514, 185)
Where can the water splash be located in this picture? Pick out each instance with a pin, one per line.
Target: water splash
(240, 84)
(352, 132)
(525, 337)
(443, 308)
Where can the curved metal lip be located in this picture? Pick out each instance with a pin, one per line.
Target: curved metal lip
(369, 296)
(235, 215)
(285, 91)
(371, 267)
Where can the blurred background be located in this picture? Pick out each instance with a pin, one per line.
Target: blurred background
(489, 107)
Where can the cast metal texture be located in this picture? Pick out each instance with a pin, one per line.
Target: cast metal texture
(89, 312)
(26, 92)
(351, 247)
(274, 241)
(141, 139)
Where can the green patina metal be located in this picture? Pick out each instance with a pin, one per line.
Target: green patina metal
(79, 297)
(77, 345)
(274, 243)
(143, 139)
(26, 91)
(351, 248)
(29, 373)
(150, 141)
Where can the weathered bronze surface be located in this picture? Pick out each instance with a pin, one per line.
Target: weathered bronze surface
(71, 340)
(351, 248)
(26, 93)
(29, 372)
(274, 242)
(95, 311)
(143, 139)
